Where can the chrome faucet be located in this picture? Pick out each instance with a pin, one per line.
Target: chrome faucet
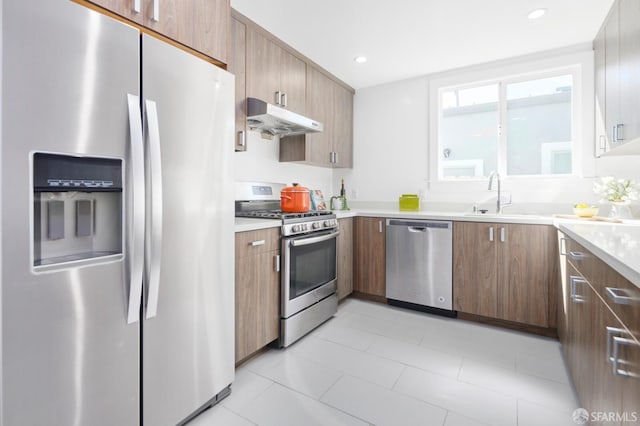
(499, 203)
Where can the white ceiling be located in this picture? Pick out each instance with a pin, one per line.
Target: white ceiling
(408, 38)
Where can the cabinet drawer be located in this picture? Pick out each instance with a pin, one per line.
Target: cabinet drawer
(620, 295)
(257, 242)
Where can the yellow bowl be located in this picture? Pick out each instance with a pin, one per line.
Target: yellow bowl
(585, 211)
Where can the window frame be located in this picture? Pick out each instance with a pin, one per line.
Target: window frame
(578, 64)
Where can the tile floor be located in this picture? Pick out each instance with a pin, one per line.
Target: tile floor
(374, 364)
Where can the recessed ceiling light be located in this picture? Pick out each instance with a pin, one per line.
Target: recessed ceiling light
(360, 59)
(537, 13)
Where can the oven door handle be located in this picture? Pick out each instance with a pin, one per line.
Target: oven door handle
(306, 241)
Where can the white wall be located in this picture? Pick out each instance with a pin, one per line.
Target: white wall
(260, 163)
(391, 155)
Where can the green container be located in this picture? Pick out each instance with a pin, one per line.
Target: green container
(409, 203)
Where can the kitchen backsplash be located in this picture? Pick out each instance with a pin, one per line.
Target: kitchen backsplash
(260, 163)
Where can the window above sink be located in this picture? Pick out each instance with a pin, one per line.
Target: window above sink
(525, 120)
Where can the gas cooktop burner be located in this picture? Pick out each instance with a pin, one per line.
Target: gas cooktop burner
(277, 214)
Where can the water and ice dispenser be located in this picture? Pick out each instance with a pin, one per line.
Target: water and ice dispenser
(77, 210)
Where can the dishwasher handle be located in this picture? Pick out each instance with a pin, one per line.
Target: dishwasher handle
(417, 229)
(419, 225)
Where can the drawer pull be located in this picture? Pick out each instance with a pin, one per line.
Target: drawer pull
(563, 245)
(257, 243)
(576, 255)
(610, 333)
(619, 297)
(575, 297)
(276, 263)
(617, 341)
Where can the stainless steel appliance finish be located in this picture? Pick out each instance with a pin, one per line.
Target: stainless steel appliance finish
(77, 337)
(308, 272)
(276, 121)
(419, 263)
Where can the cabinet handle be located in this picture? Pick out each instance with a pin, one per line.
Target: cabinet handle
(491, 233)
(156, 11)
(257, 243)
(575, 297)
(576, 255)
(611, 331)
(617, 131)
(617, 341)
(278, 97)
(136, 6)
(276, 263)
(619, 297)
(242, 139)
(563, 245)
(283, 100)
(335, 157)
(380, 226)
(502, 235)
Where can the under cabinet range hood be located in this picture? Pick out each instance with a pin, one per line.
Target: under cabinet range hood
(273, 120)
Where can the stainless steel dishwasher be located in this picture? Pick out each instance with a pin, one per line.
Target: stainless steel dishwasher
(420, 265)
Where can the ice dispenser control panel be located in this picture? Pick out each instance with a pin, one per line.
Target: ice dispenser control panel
(77, 208)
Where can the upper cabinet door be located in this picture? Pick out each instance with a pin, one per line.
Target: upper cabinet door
(174, 19)
(201, 25)
(124, 8)
(293, 79)
(263, 68)
(629, 68)
(320, 101)
(211, 23)
(612, 78)
(343, 127)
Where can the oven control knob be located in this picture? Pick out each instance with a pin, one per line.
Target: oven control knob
(327, 223)
(304, 227)
(295, 228)
(315, 225)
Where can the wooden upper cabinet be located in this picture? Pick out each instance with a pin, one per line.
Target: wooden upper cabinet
(319, 107)
(238, 66)
(293, 78)
(505, 271)
(125, 8)
(273, 74)
(202, 25)
(343, 127)
(331, 104)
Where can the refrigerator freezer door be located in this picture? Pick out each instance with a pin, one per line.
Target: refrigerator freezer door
(68, 355)
(188, 347)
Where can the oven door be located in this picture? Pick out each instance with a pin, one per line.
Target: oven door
(309, 270)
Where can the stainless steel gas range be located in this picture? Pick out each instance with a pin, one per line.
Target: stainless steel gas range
(308, 259)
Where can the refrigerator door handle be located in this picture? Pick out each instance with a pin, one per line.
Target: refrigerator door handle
(154, 237)
(136, 229)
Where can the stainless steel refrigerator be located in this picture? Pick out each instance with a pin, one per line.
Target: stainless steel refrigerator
(117, 267)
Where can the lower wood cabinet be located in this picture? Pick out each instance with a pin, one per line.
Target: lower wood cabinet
(369, 254)
(505, 271)
(257, 290)
(601, 351)
(345, 258)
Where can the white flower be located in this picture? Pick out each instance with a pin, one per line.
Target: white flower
(616, 190)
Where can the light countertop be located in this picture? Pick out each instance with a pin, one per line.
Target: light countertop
(617, 244)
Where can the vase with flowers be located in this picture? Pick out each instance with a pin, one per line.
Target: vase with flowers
(620, 193)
